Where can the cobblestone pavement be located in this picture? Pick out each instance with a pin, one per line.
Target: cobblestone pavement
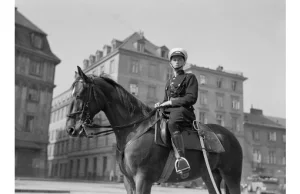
(91, 188)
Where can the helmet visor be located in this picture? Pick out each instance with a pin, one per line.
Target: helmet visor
(177, 53)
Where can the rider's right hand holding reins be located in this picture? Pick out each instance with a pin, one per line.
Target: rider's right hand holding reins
(167, 103)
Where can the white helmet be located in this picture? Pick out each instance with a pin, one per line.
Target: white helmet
(178, 52)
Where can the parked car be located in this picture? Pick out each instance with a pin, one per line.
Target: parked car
(263, 184)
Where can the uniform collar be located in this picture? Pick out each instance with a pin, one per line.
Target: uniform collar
(180, 72)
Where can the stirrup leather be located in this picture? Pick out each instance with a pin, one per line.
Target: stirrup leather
(181, 165)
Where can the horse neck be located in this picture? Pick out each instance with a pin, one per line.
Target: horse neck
(118, 115)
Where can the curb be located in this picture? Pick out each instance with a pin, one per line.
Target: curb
(40, 191)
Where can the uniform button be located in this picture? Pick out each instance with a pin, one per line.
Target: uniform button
(173, 77)
(172, 83)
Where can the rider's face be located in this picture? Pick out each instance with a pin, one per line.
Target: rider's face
(177, 61)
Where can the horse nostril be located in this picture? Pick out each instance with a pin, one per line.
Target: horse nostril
(71, 130)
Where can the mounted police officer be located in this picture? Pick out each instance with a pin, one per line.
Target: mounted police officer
(181, 93)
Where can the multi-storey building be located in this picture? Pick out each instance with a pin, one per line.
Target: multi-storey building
(266, 143)
(34, 83)
(143, 69)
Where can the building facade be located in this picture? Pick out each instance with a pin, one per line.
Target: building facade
(143, 69)
(266, 144)
(34, 82)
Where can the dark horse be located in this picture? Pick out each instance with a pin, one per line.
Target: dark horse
(139, 158)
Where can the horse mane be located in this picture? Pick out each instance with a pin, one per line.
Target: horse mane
(131, 103)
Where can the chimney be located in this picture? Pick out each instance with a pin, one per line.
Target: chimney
(106, 50)
(85, 63)
(92, 59)
(99, 55)
(255, 111)
(220, 68)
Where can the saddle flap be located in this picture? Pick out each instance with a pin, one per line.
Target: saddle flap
(190, 137)
(212, 142)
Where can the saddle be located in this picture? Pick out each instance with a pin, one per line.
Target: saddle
(190, 135)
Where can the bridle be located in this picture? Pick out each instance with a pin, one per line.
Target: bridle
(88, 122)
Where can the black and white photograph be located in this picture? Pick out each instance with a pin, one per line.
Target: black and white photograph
(148, 96)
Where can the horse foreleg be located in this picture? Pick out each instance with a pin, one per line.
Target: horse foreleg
(129, 185)
(143, 186)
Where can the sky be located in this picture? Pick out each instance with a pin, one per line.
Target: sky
(243, 36)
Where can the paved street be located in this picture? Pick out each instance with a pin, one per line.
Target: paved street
(90, 188)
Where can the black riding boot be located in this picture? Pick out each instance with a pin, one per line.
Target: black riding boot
(181, 164)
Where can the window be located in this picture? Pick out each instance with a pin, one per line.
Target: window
(79, 144)
(58, 148)
(283, 159)
(140, 47)
(134, 66)
(235, 124)
(33, 95)
(233, 85)
(202, 117)
(36, 41)
(86, 166)
(203, 98)
(256, 156)
(95, 72)
(51, 117)
(235, 104)
(163, 54)
(36, 68)
(78, 167)
(271, 159)
(283, 138)
(151, 92)
(169, 73)
(152, 71)
(220, 101)
(112, 66)
(102, 69)
(272, 136)
(255, 135)
(29, 123)
(202, 79)
(219, 82)
(220, 119)
(133, 89)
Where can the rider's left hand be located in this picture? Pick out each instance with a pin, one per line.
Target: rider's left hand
(167, 103)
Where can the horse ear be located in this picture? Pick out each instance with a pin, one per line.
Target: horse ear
(82, 75)
(76, 74)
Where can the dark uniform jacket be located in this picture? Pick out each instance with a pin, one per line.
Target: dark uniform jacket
(182, 90)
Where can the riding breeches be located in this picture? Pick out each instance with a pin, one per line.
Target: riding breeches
(179, 116)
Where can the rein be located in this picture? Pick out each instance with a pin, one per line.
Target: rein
(87, 122)
(107, 132)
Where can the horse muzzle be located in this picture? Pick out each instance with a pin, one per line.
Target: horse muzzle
(77, 131)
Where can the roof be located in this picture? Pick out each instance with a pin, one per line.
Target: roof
(262, 120)
(150, 48)
(281, 121)
(23, 30)
(23, 21)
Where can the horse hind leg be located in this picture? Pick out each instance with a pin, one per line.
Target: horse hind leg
(232, 184)
(208, 182)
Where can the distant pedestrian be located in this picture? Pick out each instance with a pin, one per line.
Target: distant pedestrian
(111, 175)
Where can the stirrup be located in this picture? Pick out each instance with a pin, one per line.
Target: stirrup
(182, 166)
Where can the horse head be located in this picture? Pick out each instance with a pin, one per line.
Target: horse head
(85, 104)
